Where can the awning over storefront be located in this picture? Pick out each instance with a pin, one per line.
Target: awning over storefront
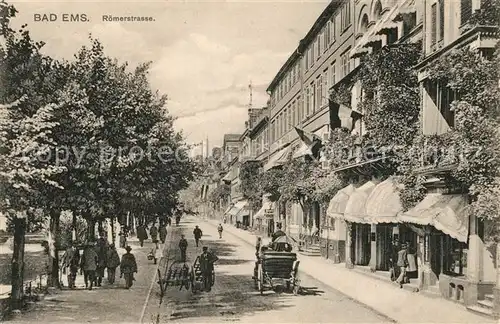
(228, 177)
(278, 158)
(337, 205)
(383, 204)
(445, 212)
(355, 208)
(303, 150)
(228, 209)
(242, 209)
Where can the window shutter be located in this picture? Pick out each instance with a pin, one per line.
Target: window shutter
(465, 11)
(433, 23)
(441, 20)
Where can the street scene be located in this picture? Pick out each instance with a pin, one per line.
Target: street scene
(262, 162)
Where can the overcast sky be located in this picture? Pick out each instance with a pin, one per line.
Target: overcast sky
(204, 53)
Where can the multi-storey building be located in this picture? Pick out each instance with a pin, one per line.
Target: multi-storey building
(300, 99)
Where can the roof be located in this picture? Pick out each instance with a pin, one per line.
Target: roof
(308, 39)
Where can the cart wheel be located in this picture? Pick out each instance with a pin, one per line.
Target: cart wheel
(296, 286)
(260, 282)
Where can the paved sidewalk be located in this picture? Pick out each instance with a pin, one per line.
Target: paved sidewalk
(106, 304)
(398, 304)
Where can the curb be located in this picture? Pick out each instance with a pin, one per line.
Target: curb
(389, 318)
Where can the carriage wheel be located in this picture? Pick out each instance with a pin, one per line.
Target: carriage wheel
(260, 282)
(193, 286)
(296, 286)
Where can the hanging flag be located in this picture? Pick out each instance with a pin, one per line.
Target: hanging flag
(342, 116)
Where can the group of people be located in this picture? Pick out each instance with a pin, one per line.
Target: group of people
(154, 232)
(403, 265)
(96, 257)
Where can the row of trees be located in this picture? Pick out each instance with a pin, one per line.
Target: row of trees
(87, 135)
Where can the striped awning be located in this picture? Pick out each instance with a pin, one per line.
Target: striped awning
(383, 204)
(337, 205)
(445, 212)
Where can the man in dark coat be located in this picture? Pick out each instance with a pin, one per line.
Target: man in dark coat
(153, 231)
(88, 264)
(142, 234)
(163, 232)
(197, 235)
(112, 262)
(207, 260)
(183, 244)
(278, 233)
(101, 250)
(70, 262)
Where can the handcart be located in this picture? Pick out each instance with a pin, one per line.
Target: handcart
(197, 282)
(178, 274)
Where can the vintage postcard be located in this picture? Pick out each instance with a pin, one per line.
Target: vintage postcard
(316, 161)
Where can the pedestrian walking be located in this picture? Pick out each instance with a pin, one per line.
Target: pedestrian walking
(207, 260)
(402, 264)
(123, 238)
(197, 235)
(142, 234)
(153, 231)
(112, 262)
(70, 263)
(183, 244)
(163, 233)
(220, 229)
(88, 265)
(128, 266)
(101, 250)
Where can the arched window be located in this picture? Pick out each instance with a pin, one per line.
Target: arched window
(377, 11)
(364, 24)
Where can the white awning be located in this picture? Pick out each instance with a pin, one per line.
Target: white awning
(355, 208)
(242, 209)
(383, 204)
(445, 212)
(303, 150)
(337, 205)
(228, 176)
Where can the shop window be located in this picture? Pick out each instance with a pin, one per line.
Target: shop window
(455, 257)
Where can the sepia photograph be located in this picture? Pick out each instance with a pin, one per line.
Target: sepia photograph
(250, 161)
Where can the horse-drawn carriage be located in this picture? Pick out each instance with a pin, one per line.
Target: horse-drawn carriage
(277, 264)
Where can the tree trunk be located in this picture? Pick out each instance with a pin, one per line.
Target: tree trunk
(91, 229)
(74, 235)
(54, 230)
(113, 232)
(17, 276)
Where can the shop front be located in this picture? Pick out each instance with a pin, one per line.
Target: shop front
(264, 216)
(456, 259)
(333, 246)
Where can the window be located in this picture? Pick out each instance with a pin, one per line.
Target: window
(442, 98)
(465, 11)
(318, 45)
(307, 99)
(345, 63)
(272, 131)
(441, 20)
(319, 92)
(306, 58)
(326, 36)
(324, 100)
(455, 257)
(289, 118)
(300, 112)
(332, 30)
(332, 74)
(313, 98)
(346, 16)
(433, 23)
